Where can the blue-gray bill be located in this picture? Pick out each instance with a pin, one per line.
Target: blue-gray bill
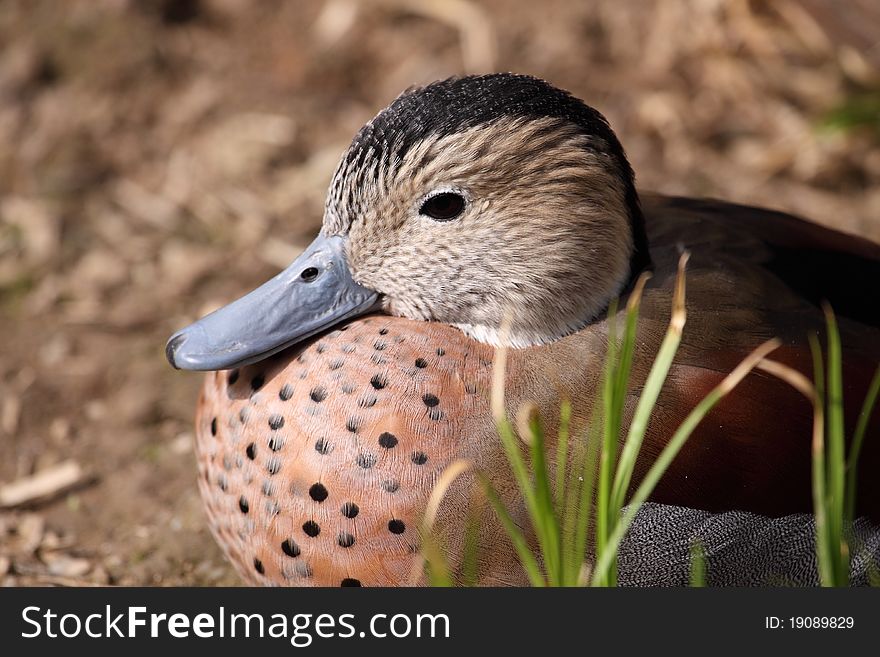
(314, 293)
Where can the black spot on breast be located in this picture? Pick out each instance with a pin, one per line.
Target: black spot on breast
(276, 422)
(352, 424)
(290, 548)
(387, 440)
(258, 566)
(318, 492)
(311, 528)
(257, 382)
(366, 461)
(348, 581)
(441, 351)
(251, 451)
(390, 485)
(378, 381)
(419, 458)
(322, 446)
(396, 526)
(318, 394)
(336, 364)
(321, 348)
(286, 392)
(345, 539)
(276, 443)
(421, 363)
(430, 400)
(243, 504)
(273, 466)
(214, 427)
(350, 510)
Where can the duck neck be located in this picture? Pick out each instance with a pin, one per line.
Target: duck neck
(640, 260)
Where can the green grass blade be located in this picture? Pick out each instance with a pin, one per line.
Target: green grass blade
(570, 558)
(510, 443)
(610, 431)
(470, 563)
(820, 501)
(836, 459)
(536, 511)
(577, 514)
(517, 464)
(562, 453)
(584, 508)
(651, 390)
(818, 368)
(831, 551)
(635, 436)
(433, 553)
(621, 385)
(545, 510)
(527, 559)
(436, 565)
(856, 446)
(615, 394)
(698, 564)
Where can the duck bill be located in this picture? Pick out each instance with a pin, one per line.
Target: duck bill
(314, 293)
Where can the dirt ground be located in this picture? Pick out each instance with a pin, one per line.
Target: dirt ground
(159, 158)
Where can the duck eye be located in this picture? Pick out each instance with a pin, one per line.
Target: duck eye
(443, 207)
(309, 274)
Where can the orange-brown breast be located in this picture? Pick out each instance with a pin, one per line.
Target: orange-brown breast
(315, 466)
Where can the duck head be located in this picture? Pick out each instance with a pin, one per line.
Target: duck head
(464, 202)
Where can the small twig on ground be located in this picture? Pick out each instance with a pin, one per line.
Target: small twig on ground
(43, 485)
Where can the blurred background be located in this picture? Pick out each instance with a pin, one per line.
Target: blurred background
(160, 157)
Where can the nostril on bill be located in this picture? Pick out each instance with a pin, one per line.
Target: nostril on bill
(172, 347)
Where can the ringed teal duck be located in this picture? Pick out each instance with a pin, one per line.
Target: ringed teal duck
(354, 377)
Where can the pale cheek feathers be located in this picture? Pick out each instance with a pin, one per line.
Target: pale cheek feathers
(552, 277)
(546, 237)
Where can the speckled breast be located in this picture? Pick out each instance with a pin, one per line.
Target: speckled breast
(316, 465)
